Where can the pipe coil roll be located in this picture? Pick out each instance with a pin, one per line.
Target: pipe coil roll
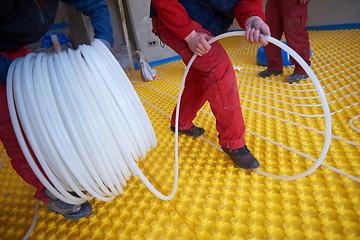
(83, 121)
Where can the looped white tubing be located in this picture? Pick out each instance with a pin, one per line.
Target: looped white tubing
(352, 125)
(86, 126)
(312, 77)
(138, 171)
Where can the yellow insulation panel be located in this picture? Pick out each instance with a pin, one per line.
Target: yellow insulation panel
(215, 200)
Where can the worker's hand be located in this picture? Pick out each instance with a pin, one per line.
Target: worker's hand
(253, 27)
(105, 42)
(303, 1)
(198, 42)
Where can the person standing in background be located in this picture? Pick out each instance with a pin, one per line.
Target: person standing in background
(287, 17)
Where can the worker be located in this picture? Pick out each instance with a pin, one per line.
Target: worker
(186, 26)
(287, 17)
(23, 22)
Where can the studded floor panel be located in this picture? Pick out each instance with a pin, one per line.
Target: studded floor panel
(215, 200)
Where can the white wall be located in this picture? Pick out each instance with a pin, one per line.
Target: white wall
(146, 41)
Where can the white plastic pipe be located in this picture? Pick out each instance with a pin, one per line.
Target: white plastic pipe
(15, 74)
(83, 120)
(352, 125)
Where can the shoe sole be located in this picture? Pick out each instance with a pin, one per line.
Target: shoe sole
(248, 169)
(296, 80)
(275, 74)
(188, 134)
(85, 211)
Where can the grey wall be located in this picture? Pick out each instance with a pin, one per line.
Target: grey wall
(80, 30)
(328, 12)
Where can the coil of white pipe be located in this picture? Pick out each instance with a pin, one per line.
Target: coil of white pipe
(86, 127)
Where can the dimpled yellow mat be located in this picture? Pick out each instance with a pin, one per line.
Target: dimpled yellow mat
(216, 200)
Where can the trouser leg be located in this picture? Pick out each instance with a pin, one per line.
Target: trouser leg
(192, 99)
(13, 149)
(275, 23)
(295, 17)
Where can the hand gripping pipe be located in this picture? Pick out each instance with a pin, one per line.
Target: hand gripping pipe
(312, 76)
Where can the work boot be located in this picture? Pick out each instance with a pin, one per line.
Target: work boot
(267, 73)
(242, 157)
(194, 131)
(296, 77)
(69, 211)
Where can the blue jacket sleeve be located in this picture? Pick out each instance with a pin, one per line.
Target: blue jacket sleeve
(99, 14)
(4, 67)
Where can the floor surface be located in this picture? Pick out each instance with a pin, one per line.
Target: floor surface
(215, 200)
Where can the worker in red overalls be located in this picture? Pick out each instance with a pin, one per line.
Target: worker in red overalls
(23, 22)
(186, 26)
(288, 17)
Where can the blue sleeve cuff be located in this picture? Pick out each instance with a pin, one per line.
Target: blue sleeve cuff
(4, 67)
(105, 42)
(99, 14)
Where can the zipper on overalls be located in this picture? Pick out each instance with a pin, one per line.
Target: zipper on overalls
(40, 11)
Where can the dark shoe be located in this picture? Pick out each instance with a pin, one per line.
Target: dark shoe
(268, 73)
(296, 77)
(69, 211)
(194, 131)
(242, 157)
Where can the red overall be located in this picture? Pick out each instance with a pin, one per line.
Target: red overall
(8, 137)
(288, 17)
(211, 78)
